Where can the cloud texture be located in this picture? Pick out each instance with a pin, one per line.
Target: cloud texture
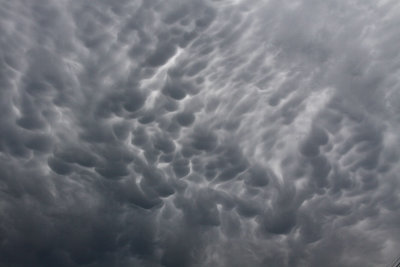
(199, 133)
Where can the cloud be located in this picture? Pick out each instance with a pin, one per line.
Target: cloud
(199, 133)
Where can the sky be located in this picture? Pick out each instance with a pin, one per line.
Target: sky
(190, 133)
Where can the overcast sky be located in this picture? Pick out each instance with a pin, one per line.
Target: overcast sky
(180, 133)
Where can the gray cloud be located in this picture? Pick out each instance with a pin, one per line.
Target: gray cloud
(199, 133)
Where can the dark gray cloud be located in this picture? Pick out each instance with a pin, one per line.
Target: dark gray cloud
(199, 133)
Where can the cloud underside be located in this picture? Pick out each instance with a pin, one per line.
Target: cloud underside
(199, 133)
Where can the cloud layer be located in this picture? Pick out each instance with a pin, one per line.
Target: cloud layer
(199, 133)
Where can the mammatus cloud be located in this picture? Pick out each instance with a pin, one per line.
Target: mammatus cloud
(199, 133)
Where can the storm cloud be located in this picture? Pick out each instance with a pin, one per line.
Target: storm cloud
(199, 133)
